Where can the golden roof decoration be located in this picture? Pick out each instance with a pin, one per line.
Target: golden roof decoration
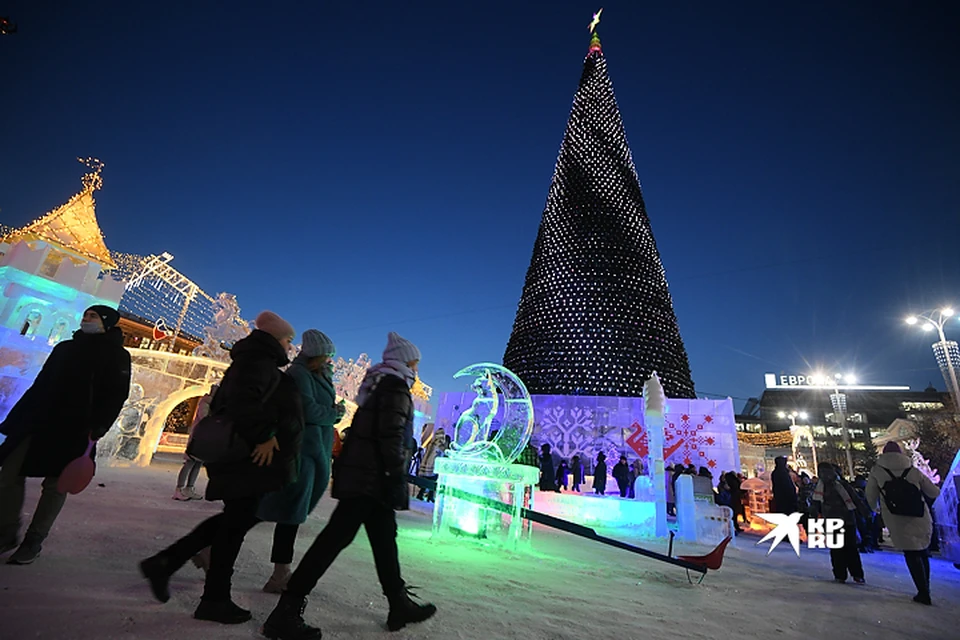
(420, 390)
(73, 226)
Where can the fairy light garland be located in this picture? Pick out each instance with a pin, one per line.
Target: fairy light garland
(596, 316)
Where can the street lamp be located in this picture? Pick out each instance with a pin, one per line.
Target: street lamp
(793, 415)
(945, 351)
(839, 402)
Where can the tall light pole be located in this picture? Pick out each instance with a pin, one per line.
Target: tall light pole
(945, 351)
(839, 402)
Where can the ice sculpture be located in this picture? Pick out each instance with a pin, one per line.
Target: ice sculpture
(480, 493)
(122, 441)
(947, 511)
(654, 411)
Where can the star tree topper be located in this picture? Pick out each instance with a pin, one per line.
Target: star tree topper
(596, 20)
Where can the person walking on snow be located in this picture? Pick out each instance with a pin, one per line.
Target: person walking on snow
(77, 395)
(312, 370)
(369, 480)
(911, 534)
(784, 490)
(834, 498)
(263, 405)
(187, 478)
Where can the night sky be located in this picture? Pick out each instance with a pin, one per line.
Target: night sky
(362, 167)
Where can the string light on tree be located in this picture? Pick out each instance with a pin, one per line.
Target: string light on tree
(596, 316)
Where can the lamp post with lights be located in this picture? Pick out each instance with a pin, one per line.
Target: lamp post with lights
(839, 402)
(945, 350)
(793, 415)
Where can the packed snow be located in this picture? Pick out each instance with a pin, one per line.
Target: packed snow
(85, 585)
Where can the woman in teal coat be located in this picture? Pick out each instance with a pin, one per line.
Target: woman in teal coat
(312, 370)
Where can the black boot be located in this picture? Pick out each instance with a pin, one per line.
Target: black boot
(404, 610)
(222, 611)
(286, 621)
(156, 569)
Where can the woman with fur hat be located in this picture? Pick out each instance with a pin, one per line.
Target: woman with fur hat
(910, 534)
(263, 405)
(77, 395)
(369, 480)
(312, 370)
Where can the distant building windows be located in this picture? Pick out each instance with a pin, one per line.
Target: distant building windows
(921, 406)
(749, 427)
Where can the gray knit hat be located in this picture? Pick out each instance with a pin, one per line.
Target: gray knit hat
(316, 343)
(400, 349)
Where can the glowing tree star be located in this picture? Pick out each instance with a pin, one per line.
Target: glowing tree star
(595, 21)
(595, 316)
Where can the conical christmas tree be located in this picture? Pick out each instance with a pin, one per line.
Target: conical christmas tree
(596, 317)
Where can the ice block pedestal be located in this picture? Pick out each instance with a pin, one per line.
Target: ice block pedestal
(482, 501)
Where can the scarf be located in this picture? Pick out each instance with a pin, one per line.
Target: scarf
(841, 491)
(376, 373)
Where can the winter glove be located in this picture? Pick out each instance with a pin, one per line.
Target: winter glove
(341, 409)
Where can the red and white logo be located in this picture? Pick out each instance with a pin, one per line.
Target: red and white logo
(160, 331)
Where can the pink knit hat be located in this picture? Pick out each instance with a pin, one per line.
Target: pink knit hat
(274, 325)
(892, 447)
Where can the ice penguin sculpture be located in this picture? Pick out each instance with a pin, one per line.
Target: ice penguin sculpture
(654, 408)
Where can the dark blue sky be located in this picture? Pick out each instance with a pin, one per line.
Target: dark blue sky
(361, 167)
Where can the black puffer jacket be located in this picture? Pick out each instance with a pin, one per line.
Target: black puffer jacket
(78, 394)
(257, 417)
(784, 491)
(373, 461)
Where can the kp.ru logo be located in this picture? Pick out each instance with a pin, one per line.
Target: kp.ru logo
(822, 533)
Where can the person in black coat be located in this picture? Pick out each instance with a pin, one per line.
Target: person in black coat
(548, 476)
(784, 491)
(369, 480)
(563, 474)
(621, 473)
(263, 404)
(75, 399)
(600, 474)
(736, 498)
(576, 469)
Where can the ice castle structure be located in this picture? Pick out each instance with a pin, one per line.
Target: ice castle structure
(50, 272)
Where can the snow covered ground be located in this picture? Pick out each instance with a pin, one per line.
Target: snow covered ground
(85, 585)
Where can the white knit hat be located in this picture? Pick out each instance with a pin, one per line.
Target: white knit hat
(400, 349)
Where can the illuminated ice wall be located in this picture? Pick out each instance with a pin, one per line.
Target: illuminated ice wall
(43, 293)
(698, 432)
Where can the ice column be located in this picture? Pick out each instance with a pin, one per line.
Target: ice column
(655, 406)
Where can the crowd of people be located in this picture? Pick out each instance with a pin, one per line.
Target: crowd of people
(282, 415)
(895, 496)
(274, 467)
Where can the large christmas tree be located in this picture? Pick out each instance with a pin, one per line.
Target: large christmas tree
(596, 317)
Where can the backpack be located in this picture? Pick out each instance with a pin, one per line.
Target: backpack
(903, 498)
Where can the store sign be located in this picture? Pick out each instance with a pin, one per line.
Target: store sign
(773, 380)
(811, 381)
